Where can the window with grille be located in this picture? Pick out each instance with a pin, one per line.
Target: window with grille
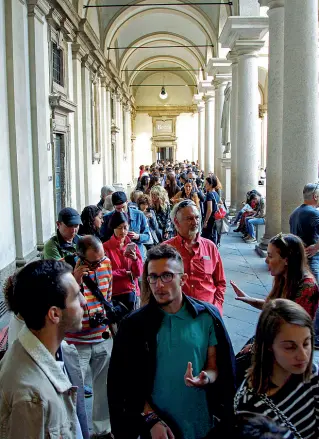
(57, 64)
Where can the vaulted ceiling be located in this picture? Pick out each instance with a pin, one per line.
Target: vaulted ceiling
(135, 39)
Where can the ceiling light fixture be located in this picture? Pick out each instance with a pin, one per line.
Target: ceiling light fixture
(163, 94)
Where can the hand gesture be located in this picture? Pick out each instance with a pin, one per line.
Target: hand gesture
(161, 431)
(200, 381)
(80, 270)
(240, 294)
(134, 236)
(311, 251)
(131, 254)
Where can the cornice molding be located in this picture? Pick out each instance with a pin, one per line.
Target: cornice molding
(171, 110)
(38, 8)
(69, 11)
(272, 4)
(58, 101)
(243, 28)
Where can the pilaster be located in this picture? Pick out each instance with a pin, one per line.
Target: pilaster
(39, 63)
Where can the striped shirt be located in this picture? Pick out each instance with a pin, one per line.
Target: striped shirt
(297, 400)
(103, 277)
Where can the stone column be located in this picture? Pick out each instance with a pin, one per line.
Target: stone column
(300, 107)
(244, 36)
(233, 129)
(105, 130)
(38, 57)
(87, 128)
(276, 15)
(108, 123)
(77, 54)
(201, 134)
(219, 104)
(247, 144)
(128, 145)
(209, 132)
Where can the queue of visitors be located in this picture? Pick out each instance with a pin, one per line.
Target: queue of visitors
(167, 369)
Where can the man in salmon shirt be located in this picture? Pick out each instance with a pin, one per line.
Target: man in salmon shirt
(202, 262)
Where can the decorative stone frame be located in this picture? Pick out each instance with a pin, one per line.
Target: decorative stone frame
(165, 138)
(57, 37)
(61, 107)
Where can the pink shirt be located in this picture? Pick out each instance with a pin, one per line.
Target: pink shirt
(206, 278)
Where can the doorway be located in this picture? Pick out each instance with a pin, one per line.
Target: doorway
(165, 153)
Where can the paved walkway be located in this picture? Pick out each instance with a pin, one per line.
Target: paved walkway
(250, 273)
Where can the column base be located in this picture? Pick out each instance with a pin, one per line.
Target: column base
(261, 247)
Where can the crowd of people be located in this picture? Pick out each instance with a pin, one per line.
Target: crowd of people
(132, 291)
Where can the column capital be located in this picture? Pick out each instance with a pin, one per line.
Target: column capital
(272, 4)
(78, 52)
(244, 33)
(248, 47)
(38, 8)
(205, 86)
(209, 97)
(87, 61)
(218, 66)
(232, 56)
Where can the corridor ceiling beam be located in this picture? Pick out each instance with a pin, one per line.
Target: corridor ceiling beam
(159, 47)
(159, 4)
(161, 70)
(161, 85)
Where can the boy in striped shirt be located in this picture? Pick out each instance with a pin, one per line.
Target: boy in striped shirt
(94, 351)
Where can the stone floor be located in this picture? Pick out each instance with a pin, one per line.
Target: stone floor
(250, 273)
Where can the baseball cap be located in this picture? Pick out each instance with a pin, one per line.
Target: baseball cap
(69, 217)
(118, 198)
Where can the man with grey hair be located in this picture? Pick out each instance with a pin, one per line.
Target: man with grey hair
(105, 191)
(304, 222)
(202, 262)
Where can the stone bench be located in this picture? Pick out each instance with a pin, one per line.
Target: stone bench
(260, 231)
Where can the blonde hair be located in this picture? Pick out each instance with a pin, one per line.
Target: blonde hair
(162, 195)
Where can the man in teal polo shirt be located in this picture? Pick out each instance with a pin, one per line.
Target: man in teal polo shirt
(180, 347)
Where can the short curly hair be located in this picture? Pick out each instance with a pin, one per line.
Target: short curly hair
(143, 199)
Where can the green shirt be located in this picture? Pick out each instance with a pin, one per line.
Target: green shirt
(183, 338)
(57, 248)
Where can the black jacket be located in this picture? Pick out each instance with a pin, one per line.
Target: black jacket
(133, 362)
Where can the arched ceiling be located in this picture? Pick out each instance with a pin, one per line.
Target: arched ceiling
(152, 26)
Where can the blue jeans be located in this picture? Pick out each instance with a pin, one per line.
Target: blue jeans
(250, 223)
(314, 267)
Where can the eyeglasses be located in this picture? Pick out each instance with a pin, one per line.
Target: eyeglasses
(165, 277)
(94, 264)
(316, 187)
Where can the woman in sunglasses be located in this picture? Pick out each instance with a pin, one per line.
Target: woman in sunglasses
(126, 260)
(287, 263)
(282, 382)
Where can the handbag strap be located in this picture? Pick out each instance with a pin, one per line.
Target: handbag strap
(280, 415)
(283, 418)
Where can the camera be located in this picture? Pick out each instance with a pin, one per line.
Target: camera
(98, 319)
